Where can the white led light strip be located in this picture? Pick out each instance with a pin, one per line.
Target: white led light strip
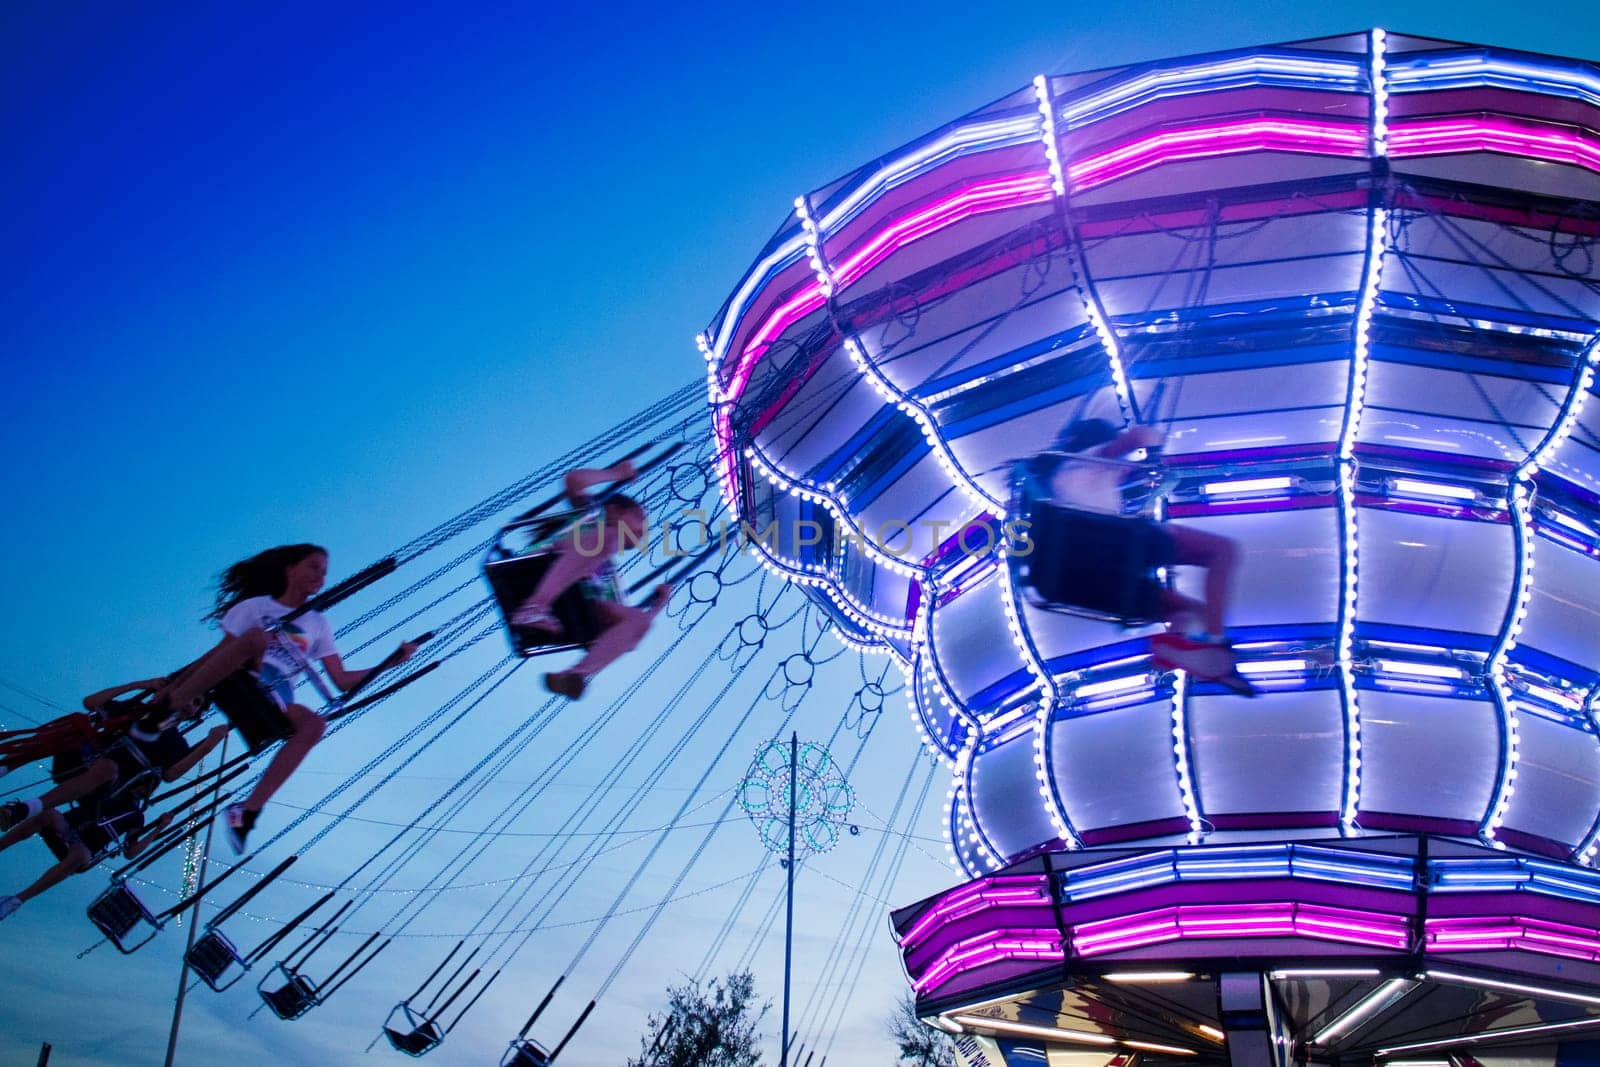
(911, 671)
(1371, 283)
(1080, 267)
(827, 496)
(1180, 753)
(1521, 592)
(991, 857)
(878, 624)
(1378, 72)
(1041, 774)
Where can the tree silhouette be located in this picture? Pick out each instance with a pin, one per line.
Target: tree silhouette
(920, 1045)
(713, 1025)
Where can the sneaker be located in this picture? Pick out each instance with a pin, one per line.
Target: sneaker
(9, 905)
(13, 812)
(569, 684)
(238, 823)
(1239, 684)
(1207, 660)
(538, 619)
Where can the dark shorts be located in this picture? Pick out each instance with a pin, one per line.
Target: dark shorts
(1100, 563)
(88, 833)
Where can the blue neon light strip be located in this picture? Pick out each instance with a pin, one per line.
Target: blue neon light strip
(1281, 69)
(1307, 862)
(1519, 875)
(1430, 71)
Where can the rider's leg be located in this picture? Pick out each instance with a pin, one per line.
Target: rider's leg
(578, 555)
(308, 730)
(1175, 607)
(99, 774)
(1219, 556)
(578, 483)
(625, 628)
(74, 859)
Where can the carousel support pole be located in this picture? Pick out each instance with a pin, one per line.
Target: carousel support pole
(788, 928)
(194, 919)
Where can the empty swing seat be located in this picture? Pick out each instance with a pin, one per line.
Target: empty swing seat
(411, 1033)
(250, 711)
(513, 574)
(1099, 565)
(211, 956)
(418, 1042)
(525, 1053)
(117, 912)
(293, 999)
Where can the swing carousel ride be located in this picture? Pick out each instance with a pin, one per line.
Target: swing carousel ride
(1351, 283)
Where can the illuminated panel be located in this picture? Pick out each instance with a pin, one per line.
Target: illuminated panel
(793, 435)
(1563, 617)
(1065, 640)
(978, 673)
(1454, 414)
(1558, 785)
(1430, 756)
(1288, 570)
(1005, 795)
(1029, 946)
(1114, 769)
(1268, 763)
(1433, 573)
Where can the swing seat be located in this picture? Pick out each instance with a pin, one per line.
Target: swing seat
(419, 1042)
(211, 956)
(1086, 563)
(117, 912)
(513, 575)
(526, 1053)
(411, 1033)
(250, 711)
(294, 998)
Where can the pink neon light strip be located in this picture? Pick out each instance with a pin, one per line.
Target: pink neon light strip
(1315, 137)
(974, 198)
(1001, 891)
(1287, 919)
(998, 946)
(1543, 141)
(1529, 935)
(1505, 134)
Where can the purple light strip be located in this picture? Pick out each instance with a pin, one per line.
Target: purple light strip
(1316, 137)
(998, 946)
(1006, 891)
(1277, 919)
(1476, 934)
(1544, 141)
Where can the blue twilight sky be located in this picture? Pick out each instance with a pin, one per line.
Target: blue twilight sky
(278, 272)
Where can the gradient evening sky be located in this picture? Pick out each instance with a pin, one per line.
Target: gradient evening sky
(332, 272)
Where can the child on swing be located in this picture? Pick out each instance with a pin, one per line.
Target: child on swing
(1094, 483)
(587, 552)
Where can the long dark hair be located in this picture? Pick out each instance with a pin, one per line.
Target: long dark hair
(263, 574)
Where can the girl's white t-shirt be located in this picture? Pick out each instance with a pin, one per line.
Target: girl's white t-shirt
(304, 641)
